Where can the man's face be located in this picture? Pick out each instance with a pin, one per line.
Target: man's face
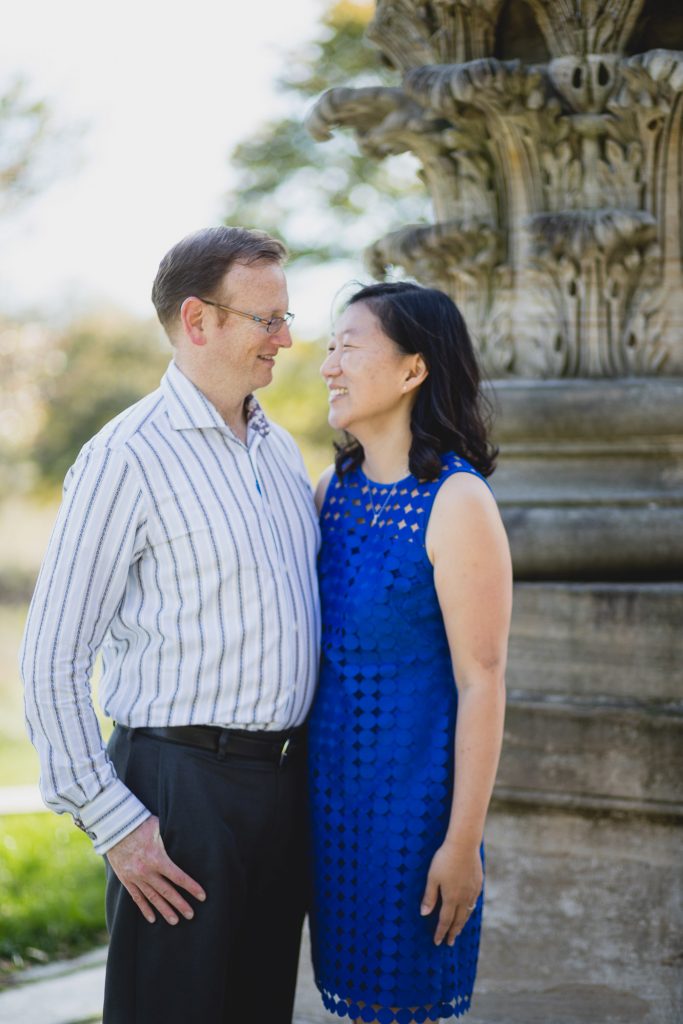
(241, 347)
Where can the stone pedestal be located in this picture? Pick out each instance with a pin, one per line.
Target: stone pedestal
(585, 834)
(549, 135)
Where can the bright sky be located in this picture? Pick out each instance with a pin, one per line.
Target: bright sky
(164, 90)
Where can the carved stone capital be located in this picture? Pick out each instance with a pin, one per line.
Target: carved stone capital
(556, 187)
(487, 84)
(439, 252)
(411, 32)
(580, 234)
(586, 26)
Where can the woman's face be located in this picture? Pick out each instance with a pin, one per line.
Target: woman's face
(367, 375)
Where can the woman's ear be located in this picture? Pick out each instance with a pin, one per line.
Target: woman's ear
(417, 373)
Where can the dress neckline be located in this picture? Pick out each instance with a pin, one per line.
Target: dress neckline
(392, 483)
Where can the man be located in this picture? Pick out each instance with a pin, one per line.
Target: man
(185, 548)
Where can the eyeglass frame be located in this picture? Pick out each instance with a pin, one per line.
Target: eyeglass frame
(285, 320)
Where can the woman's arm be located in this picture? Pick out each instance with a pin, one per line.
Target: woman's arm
(467, 544)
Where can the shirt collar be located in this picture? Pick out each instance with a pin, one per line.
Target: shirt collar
(190, 409)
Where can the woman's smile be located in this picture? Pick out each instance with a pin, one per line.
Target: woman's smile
(337, 392)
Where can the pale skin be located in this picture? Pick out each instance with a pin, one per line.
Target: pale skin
(373, 386)
(227, 357)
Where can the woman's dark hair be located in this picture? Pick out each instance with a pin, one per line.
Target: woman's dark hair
(450, 413)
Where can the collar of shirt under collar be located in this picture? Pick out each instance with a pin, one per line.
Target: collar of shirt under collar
(190, 409)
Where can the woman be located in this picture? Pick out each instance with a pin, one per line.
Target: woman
(416, 591)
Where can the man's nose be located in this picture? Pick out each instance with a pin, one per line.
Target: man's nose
(283, 337)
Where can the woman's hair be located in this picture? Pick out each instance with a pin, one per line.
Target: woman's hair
(450, 413)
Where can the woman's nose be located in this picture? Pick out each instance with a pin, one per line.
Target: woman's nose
(330, 366)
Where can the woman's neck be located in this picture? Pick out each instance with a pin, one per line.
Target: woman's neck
(386, 455)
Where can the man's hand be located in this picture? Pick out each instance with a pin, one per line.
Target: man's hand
(142, 865)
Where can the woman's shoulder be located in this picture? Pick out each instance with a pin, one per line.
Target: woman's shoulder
(453, 462)
(461, 486)
(465, 498)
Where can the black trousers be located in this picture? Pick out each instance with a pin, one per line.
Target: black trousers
(239, 827)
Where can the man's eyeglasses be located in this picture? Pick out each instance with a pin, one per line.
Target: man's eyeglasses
(272, 326)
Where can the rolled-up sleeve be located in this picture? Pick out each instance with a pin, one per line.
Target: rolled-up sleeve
(99, 534)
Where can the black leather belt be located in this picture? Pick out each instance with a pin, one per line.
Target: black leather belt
(276, 747)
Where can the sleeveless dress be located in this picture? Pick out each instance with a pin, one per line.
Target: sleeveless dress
(381, 760)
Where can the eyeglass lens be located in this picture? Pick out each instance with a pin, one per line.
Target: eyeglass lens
(276, 323)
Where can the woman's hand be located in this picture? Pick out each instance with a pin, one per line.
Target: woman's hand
(457, 876)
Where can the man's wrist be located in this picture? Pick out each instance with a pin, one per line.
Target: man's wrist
(110, 816)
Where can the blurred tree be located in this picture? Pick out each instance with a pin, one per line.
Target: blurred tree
(327, 201)
(297, 400)
(29, 143)
(98, 367)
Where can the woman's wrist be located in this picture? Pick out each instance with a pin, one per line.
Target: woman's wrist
(462, 840)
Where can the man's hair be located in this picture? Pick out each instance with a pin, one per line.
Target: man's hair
(198, 263)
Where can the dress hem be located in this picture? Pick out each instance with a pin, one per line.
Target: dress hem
(348, 1007)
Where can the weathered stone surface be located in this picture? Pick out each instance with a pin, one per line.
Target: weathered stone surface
(594, 754)
(600, 543)
(634, 411)
(590, 477)
(614, 641)
(595, 904)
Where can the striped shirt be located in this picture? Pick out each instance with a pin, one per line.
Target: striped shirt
(189, 558)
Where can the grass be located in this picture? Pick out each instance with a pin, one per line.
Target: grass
(52, 886)
(18, 759)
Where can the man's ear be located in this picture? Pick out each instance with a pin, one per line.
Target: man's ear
(192, 314)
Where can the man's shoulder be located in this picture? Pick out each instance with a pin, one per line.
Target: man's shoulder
(131, 423)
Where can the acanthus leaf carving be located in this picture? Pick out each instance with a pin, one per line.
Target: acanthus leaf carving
(572, 166)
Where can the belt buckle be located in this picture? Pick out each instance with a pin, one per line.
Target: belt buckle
(284, 753)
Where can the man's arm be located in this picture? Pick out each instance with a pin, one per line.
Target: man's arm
(98, 534)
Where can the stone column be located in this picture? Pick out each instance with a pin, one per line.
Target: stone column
(549, 134)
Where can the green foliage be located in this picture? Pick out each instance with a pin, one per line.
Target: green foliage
(326, 200)
(297, 400)
(103, 366)
(52, 886)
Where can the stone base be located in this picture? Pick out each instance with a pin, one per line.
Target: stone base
(583, 920)
(608, 640)
(590, 477)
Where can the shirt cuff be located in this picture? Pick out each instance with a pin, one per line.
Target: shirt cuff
(111, 816)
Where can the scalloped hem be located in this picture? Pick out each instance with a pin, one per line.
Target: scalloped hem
(333, 1003)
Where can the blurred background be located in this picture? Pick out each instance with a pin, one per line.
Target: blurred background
(123, 128)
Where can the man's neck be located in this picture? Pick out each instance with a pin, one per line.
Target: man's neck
(229, 404)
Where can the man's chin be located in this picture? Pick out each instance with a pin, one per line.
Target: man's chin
(264, 376)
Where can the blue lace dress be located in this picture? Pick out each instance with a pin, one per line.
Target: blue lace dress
(381, 760)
